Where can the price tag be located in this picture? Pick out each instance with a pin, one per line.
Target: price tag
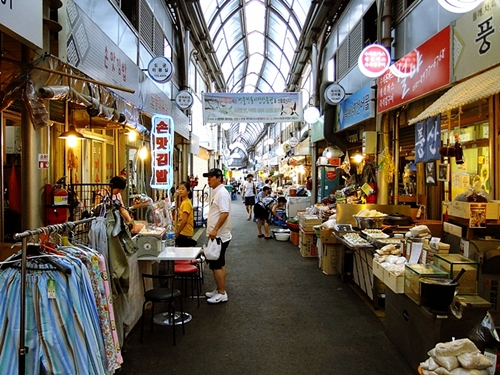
(434, 243)
(51, 289)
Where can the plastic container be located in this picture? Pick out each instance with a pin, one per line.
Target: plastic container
(413, 274)
(170, 236)
(452, 264)
(281, 234)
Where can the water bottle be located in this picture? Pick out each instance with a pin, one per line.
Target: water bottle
(170, 237)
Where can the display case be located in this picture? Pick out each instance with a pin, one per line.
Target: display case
(452, 264)
(413, 273)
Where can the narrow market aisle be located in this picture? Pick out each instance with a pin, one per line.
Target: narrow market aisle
(284, 316)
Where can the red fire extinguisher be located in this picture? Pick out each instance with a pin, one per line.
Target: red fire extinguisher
(56, 203)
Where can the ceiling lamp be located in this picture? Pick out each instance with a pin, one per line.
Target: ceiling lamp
(357, 157)
(143, 152)
(71, 136)
(459, 6)
(131, 135)
(226, 126)
(311, 114)
(270, 141)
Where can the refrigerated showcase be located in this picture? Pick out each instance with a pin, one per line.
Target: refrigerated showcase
(329, 181)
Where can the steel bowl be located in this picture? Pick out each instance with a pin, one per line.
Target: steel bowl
(369, 222)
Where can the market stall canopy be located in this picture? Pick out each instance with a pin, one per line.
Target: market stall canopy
(481, 86)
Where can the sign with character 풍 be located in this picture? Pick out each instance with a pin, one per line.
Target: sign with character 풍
(162, 145)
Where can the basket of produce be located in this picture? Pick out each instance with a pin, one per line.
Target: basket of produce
(293, 225)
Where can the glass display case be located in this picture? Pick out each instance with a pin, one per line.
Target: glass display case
(452, 264)
(413, 273)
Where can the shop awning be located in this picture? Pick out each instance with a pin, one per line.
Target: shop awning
(475, 88)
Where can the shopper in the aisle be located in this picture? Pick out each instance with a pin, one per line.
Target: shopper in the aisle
(185, 222)
(248, 193)
(265, 210)
(218, 226)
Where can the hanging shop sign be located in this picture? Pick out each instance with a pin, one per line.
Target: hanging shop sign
(161, 69)
(184, 99)
(358, 107)
(428, 139)
(23, 25)
(428, 68)
(162, 157)
(221, 108)
(334, 94)
(374, 60)
(476, 38)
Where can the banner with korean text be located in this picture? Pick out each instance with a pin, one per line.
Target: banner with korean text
(162, 147)
(418, 73)
(428, 139)
(223, 107)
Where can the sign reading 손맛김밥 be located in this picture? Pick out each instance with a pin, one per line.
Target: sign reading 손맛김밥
(162, 144)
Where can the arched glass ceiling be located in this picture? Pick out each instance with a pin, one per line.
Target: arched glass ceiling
(255, 41)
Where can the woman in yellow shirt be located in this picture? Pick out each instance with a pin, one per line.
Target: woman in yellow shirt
(185, 222)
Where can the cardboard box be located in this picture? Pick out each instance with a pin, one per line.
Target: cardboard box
(308, 249)
(308, 221)
(327, 236)
(462, 209)
(328, 259)
(378, 270)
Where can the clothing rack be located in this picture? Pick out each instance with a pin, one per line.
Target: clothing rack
(24, 236)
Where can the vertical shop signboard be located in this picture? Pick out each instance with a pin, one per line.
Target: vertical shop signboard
(162, 146)
(427, 139)
(476, 37)
(423, 70)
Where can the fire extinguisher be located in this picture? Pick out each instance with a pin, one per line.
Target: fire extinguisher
(56, 203)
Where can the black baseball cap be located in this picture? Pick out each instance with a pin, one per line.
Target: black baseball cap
(213, 172)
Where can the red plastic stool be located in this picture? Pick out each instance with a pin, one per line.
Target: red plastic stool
(185, 271)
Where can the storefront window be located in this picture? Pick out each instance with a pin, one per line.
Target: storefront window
(475, 171)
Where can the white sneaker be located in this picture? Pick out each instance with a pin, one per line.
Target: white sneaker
(212, 293)
(218, 298)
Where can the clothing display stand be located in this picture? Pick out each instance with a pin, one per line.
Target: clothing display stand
(24, 236)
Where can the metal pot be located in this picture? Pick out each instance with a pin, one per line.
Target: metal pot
(437, 294)
(398, 219)
(369, 222)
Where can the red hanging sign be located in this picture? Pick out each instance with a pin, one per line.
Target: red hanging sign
(423, 70)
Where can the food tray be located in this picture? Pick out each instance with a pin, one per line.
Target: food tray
(375, 233)
(355, 240)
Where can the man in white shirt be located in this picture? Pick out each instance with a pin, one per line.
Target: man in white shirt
(218, 226)
(248, 193)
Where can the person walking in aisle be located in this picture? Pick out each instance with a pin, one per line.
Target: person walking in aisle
(218, 226)
(185, 222)
(248, 193)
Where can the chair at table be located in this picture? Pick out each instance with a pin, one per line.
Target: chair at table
(190, 270)
(166, 293)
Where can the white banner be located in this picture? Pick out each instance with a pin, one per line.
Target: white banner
(223, 107)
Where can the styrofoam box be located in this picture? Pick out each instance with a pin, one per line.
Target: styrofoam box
(378, 270)
(462, 209)
(393, 282)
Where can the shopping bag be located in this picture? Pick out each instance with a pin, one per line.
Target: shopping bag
(212, 249)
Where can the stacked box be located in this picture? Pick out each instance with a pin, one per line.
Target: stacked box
(452, 264)
(308, 244)
(327, 236)
(328, 259)
(413, 273)
(307, 222)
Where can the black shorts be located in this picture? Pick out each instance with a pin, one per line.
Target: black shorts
(261, 212)
(249, 201)
(184, 241)
(221, 262)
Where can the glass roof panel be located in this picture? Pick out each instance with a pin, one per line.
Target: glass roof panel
(255, 56)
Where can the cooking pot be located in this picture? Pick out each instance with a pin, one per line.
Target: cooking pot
(398, 219)
(437, 294)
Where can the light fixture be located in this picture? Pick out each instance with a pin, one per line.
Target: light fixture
(270, 141)
(71, 136)
(357, 157)
(131, 135)
(459, 6)
(143, 152)
(311, 114)
(280, 151)
(327, 152)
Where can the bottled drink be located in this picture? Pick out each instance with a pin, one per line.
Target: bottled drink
(170, 236)
(459, 153)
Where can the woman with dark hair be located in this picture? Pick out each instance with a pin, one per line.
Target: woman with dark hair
(185, 221)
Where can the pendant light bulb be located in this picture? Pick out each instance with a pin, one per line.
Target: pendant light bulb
(132, 135)
(143, 152)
